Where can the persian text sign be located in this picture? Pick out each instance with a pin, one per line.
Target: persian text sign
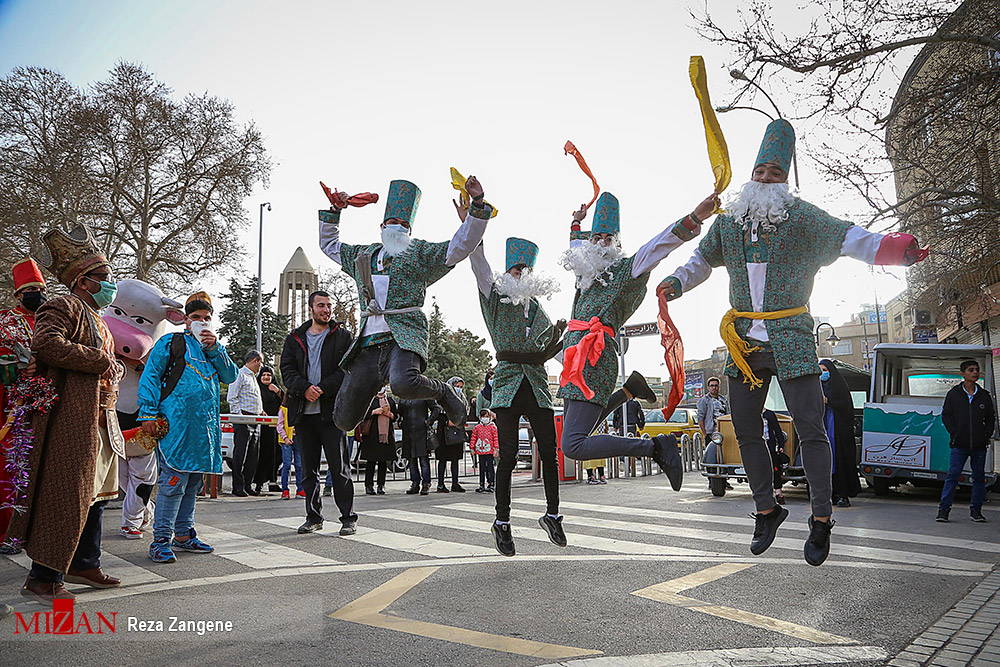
(897, 449)
(633, 330)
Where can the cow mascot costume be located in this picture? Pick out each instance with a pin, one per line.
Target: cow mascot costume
(137, 318)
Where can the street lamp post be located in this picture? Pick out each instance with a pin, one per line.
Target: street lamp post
(260, 270)
(834, 338)
(740, 76)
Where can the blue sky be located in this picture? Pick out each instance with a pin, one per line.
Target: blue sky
(359, 93)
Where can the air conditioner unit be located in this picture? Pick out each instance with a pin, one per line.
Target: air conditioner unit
(924, 318)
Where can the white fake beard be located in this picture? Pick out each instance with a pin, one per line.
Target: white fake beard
(395, 240)
(765, 203)
(521, 290)
(589, 261)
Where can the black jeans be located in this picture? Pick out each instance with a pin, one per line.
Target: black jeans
(580, 419)
(443, 467)
(420, 470)
(88, 550)
(544, 427)
(313, 435)
(369, 372)
(370, 467)
(487, 476)
(245, 452)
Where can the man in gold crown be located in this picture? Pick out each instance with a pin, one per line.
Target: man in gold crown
(73, 465)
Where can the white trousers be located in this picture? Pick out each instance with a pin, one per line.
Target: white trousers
(131, 473)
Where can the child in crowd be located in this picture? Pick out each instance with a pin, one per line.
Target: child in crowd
(289, 454)
(598, 465)
(486, 444)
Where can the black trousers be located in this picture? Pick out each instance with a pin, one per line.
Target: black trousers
(443, 467)
(88, 550)
(544, 427)
(370, 467)
(312, 436)
(370, 370)
(246, 446)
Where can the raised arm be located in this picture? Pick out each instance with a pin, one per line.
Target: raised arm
(481, 270)
(470, 234)
(578, 237)
(329, 234)
(661, 245)
(881, 249)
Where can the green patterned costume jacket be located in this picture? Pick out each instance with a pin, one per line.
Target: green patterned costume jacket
(513, 331)
(808, 240)
(613, 303)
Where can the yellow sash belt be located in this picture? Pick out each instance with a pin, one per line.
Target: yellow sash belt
(739, 348)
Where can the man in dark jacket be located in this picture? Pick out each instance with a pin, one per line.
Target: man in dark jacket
(310, 367)
(636, 418)
(969, 416)
(415, 420)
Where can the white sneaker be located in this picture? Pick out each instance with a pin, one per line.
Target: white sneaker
(130, 533)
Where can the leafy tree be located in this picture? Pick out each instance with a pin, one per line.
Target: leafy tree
(160, 180)
(239, 322)
(456, 352)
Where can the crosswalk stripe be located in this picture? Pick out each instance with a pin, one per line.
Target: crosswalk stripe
(128, 572)
(748, 657)
(847, 531)
(255, 553)
(840, 549)
(387, 539)
(537, 534)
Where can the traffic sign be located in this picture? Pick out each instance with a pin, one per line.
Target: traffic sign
(634, 330)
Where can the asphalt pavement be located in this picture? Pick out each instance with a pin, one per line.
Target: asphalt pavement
(650, 577)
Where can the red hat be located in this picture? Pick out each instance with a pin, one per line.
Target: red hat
(27, 274)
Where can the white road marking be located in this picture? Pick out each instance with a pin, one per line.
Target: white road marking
(255, 553)
(839, 548)
(424, 546)
(778, 656)
(536, 534)
(112, 565)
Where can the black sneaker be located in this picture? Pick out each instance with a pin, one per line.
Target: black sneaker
(668, 457)
(349, 528)
(327, 491)
(554, 529)
(425, 489)
(942, 516)
(480, 489)
(240, 493)
(844, 502)
(442, 488)
(369, 490)
(453, 406)
(414, 488)
(977, 516)
(817, 547)
(766, 528)
(310, 527)
(458, 488)
(503, 539)
(381, 491)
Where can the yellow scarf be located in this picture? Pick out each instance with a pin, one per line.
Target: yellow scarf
(739, 348)
(458, 182)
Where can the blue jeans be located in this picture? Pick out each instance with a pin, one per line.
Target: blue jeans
(420, 470)
(175, 498)
(290, 453)
(977, 461)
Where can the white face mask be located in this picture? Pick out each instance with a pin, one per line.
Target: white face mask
(484, 420)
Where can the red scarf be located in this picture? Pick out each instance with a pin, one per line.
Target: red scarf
(589, 349)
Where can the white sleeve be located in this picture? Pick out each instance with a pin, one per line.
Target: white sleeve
(329, 240)
(694, 272)
(466, 239)
(861, 244)
(481, 269)
(655, 251)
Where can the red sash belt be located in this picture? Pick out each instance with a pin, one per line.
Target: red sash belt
(590, 348)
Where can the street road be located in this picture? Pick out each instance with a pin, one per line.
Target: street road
(650, 577)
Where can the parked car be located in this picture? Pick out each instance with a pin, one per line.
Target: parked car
(683, 421)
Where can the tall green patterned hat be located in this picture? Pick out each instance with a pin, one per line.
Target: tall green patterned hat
(778, 145)
(520, 252)
(606, 215)
(402, 202)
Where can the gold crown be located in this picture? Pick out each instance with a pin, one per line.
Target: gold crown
(69, 256)
(199, 296)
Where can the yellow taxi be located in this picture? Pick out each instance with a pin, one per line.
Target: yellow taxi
(683, 421)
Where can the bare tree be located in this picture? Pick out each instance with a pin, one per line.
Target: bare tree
(907, 96)
(343, 296)
(160, 181)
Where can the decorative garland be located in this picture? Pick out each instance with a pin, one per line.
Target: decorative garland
(31, 394)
